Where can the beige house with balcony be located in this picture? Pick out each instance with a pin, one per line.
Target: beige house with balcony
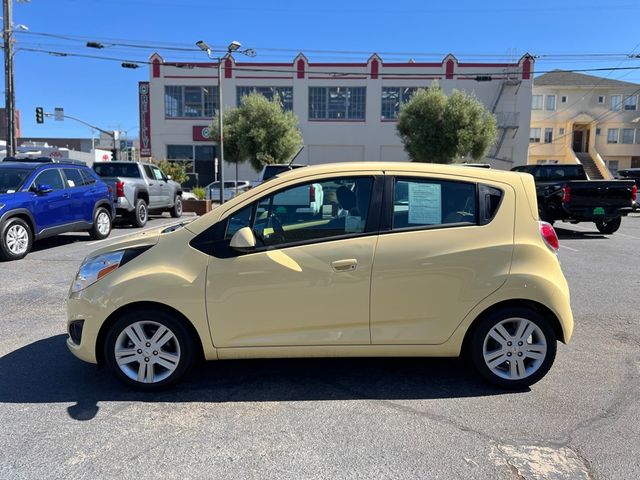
(577, 118)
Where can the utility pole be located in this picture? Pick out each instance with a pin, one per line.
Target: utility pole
(9, 97)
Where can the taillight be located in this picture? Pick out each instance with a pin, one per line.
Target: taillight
(634, 193)
(312, 194)
(566, 194)
(120, 189)
(549, 236)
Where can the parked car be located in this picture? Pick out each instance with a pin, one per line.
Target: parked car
(461, 266)
(29, 159)
(231, 189)
(38, 200)
(140, 189)
(270, 171)
(565, 193)
(632, 174)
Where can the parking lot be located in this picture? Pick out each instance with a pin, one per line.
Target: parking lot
(325, 418)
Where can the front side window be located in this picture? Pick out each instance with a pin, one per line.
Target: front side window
(158, 174)
(612, 135)
(548, 135)
(393, 98)
(627, 135)
(148, 172)
(49, 177)
(630, 102)
(307, 212)
(536, 102)
(190, 101)
(337, 103)
(551, 102)
(283, 94)
(615, 102)
(427, 203)
(534, 135)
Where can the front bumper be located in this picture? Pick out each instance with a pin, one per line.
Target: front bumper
(79, 309)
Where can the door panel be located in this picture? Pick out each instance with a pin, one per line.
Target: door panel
(424, 282)
(292, 296)
(155, 190)
(54, 208)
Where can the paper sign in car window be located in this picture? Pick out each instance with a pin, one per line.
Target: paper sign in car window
(425, 203)
(71, 183)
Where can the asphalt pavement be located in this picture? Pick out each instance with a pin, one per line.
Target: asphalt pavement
(325, 418)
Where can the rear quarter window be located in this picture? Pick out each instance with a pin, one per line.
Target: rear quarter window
(490, 201)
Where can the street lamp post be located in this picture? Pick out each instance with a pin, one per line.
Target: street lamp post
(231, 48)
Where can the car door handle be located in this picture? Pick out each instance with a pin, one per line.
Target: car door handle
(347, 265)
(65, 195)
(150, 183)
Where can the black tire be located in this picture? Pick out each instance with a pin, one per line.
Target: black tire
(609, 226)
(140, 214)
(8, 231)
(182, 342)
(539, 368)
(176, 210)
(98, 218)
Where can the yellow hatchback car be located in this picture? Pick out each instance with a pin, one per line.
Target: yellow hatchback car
(345, 259)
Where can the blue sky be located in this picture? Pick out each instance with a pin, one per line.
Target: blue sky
(103, 93)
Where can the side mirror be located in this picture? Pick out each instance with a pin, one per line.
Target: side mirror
(243, 240)
(43, 188)
(169, 177)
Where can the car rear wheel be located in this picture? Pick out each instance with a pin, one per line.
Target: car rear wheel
(101, 224)
(16, 239)
(149, 349)
(513, 348)
(140, 213)
(609, 226)
(176, 210)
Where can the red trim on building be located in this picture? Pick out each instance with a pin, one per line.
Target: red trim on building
(264, 64)
(412, 77)
(228, 68)
(413, 64)
(268, 78)
(300, 67)
(191, 76)
(156, 68)
(449, 69)
(526, 69)
(488, 65)
(375, 67)
(474, 78)
(338, 77)
(333, 64)
(144, 108)
(194, 64)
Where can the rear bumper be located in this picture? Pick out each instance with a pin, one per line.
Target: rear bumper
(591, 214)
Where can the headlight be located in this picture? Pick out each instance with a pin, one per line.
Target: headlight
(94, 268)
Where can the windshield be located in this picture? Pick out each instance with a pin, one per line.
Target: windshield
(11, 179)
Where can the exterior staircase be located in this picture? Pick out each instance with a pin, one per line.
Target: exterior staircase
(589, 166)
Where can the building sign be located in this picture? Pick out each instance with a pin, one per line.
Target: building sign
(201, 133)
(145, 119)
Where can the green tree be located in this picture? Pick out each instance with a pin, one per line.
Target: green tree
(437, 128)
(259, 131)
(175, 170)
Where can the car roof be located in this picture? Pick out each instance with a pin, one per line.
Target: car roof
(23, 165)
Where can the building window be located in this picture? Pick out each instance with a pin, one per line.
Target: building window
(598, 131)
(612, 135)
(627, 135)
(615, 102)
(551, 102)
(283, 94)
(190, 101)
(337, 103)
(536, 102)
(630, 102)
(561, 131)
(613, 167)
(638, 135)
(601, 99)
(534, 135)
(393, 98)
(179, 152)
(563, 99)
(548, 135)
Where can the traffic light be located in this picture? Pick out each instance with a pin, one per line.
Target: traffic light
(114, 154)
(39, 115)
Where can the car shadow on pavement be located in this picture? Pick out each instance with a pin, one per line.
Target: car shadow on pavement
(59, 241)
(45, 372)
(568, 234)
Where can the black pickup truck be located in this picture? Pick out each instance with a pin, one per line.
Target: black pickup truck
(566, 193)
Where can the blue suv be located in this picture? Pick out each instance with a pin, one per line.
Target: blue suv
(38, 200)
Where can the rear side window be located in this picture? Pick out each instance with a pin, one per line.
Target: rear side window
(74, 177)
(88, 178)
(431, 203)
(108, 169)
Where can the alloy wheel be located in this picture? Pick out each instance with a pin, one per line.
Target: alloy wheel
(17, 239)
(514, 348)
(103, 223)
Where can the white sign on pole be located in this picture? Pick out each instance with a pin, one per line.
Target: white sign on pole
(58, 114)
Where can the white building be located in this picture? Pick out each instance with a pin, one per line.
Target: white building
(347, 111)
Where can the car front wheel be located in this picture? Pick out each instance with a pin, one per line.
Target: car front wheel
(16, 239)
(149, 349)
(513, 348)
